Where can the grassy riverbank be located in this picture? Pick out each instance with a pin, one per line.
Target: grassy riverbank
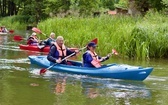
(139, 38)
(133, 37)
(11, 22)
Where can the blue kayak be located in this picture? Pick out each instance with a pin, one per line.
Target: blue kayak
(114, 71)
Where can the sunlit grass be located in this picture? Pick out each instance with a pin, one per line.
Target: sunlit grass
(132, 37)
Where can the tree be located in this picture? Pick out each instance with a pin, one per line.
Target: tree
(31, 11)
(142, 6)
(165, 3)
(8, 8)
(86, 7)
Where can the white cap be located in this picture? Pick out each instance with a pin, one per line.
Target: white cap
(34, 33)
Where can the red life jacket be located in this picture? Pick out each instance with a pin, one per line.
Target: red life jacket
(95, 62)
(62, 52)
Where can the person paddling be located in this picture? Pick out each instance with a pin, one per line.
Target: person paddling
(91, 59)
(59, 51)
(33, 40)
(3, 29)
(50, 40)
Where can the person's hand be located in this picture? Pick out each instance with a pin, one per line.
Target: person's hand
(102, 59)
(114, 52)
(58, 61)
(109, 55)
(76, 51)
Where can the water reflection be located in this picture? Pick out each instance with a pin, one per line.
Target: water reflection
(119, 90)
(3, 39)
(60, 84)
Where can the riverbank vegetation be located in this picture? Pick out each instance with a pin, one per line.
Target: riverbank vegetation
(12, 23)
(133, 37)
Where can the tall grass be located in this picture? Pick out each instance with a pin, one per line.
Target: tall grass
(138, 37)
(11, 23)
(150, 36)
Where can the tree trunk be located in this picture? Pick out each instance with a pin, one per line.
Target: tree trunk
(0, 8)
(9, 8)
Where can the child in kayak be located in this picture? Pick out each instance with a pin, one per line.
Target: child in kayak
(91, 59)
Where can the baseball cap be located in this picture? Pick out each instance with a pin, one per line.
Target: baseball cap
(92, 44)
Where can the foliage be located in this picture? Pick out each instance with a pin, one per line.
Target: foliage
(10, 23)
(165, 3)
(91, 5)
(145, 5)
(32, 11)
(157, 4)
(122, 4)
(109, 4)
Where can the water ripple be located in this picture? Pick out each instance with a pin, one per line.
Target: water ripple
(22, 60)
(11, 68)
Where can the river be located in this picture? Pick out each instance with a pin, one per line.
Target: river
(21, 84)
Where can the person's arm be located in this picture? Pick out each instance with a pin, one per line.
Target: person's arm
(50, 56)
(6, 30)
(102, 59)
(69, 52)
(50, 41)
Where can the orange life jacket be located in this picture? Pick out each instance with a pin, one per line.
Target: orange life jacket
(62, 52)
(95, 62)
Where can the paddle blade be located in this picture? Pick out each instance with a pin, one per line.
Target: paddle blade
(95, 40)
(17, 38)
(36, 30)
(114, 52)
(11, 31)
(42, 71)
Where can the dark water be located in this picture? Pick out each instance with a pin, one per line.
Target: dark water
(21, 84)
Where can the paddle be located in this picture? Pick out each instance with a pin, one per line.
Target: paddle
(18, 38)
(43, 70)
(114, 52)
(38, 31)
(11, 31)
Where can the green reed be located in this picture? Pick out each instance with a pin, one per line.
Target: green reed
(132, 37)
(11, 23)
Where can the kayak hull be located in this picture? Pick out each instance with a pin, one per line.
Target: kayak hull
(114, 71)
(34, 48)
(3, 33)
